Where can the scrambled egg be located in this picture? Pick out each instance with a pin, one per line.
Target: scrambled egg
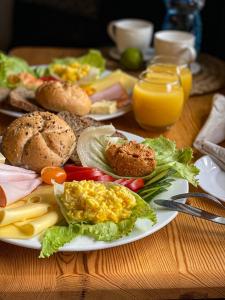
(71, 72)
(96, 202)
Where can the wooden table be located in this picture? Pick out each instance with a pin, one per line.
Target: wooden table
(184, 260)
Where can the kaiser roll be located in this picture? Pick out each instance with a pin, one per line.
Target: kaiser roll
(37, 140)
(59, 96)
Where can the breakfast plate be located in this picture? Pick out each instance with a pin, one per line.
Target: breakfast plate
(211, 177)
(142, 228)
(120, 112)
(98, 117)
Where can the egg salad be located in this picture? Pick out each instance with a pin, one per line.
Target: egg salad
(74, 71)
(94, 202)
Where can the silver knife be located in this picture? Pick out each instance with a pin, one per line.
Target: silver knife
(190, 210)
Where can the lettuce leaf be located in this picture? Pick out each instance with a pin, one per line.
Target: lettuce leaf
(168, 157)
(11, 65)
(93, 142)
(93, 58)
(56, 236)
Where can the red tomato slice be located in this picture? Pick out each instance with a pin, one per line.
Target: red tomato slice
(104, 178)
(83, 175)
(73, 168)
(136, 184)
(48, 78)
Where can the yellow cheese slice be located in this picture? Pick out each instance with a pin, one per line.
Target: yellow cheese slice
(127, 81)
(28, 211)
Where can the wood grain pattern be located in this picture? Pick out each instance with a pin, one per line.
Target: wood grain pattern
(184, 260)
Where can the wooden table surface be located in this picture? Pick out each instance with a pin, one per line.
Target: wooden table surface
(184, 260)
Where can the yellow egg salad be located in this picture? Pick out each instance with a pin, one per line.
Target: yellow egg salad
(94, 202)
(71, 72)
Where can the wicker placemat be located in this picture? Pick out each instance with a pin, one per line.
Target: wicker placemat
(211, 77)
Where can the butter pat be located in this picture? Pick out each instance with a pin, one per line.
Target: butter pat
(104, 107)
(2, 159)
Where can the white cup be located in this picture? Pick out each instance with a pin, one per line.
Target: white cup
(175, 43)
(128, 33)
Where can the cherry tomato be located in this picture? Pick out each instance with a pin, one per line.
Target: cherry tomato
(53, 173)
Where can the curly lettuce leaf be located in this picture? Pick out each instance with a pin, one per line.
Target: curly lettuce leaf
(56, 236)
(11, 65)
(168, 157)
(93, 58)
(93, 142)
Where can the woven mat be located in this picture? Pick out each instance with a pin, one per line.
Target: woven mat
(211, 77)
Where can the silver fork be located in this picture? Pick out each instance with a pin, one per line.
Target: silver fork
(191, 210)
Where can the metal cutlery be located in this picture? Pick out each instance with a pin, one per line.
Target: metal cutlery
(172, 204)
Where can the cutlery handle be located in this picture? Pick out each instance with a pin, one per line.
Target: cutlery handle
(191, 210)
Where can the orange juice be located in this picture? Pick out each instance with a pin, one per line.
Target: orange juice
(157, 100)
(183, 72)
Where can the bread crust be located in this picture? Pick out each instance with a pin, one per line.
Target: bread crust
(58, 96)
(37, 140)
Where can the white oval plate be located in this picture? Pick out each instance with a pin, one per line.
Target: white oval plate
(120, 112)
(211, 177)
(142, 229)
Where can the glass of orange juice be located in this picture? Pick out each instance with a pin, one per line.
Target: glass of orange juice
(163, 63)
(158, 100)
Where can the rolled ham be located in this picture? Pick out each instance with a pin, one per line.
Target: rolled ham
(13, 191)
(15, 169)
(114, 92)
(16, 183)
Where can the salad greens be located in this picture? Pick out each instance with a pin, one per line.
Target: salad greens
(93, 142)
(56, 236)
(11, 65)
(93, 58)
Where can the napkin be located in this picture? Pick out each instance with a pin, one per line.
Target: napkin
(213, 132)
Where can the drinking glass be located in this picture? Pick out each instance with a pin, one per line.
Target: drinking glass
(163, 63)
(158, 100)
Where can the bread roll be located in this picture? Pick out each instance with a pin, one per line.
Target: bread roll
(37, 140)
(59, 96)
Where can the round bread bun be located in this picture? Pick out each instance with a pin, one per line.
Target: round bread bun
(59, 96)
(38, 140)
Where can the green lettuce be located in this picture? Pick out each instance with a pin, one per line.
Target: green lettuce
(11, 65)
(93, 58)
(168, 157)
(56, 236)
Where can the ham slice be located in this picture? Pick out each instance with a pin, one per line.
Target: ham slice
(114, 92)
(12, 176)
(16, 169)
(13, 191)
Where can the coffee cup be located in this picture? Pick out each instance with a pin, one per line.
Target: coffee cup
(127, 33)
(175, 43)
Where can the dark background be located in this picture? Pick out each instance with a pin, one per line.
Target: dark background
(82, 23)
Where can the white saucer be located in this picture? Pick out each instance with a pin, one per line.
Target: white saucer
(211, 177)
(147, 55)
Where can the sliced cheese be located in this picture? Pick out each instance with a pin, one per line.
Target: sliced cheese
(126, 80)
(28, 211)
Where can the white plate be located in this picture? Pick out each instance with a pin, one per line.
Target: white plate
(211, 177)
(147, 54)
(120, 112)
(141, 230)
